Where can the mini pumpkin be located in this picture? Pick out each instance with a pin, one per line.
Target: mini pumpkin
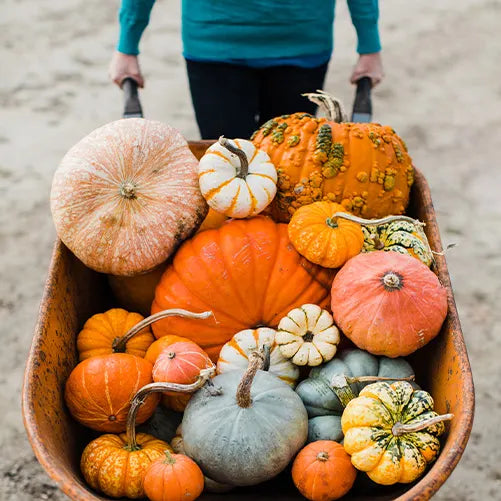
(363, 166)
(391, 432)
(307, 335)
(174, 477)
(321, 237)
(160, 345)
(388, 303)
(126, 195)
(235, 354)
(322, 471)
(236, 178)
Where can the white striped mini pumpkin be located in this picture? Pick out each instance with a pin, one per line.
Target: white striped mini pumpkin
(236, 178)
(235, 354)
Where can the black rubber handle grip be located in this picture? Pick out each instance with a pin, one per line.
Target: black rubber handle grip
(363, 102)
(132, 104)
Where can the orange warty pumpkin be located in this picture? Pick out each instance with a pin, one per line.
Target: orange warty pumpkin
(388, 303)
(126, 196)
(159, 345)
(174, 477)
(246, 272)
(322, 471)
(363, 166)
(100, 332)
(99, 390)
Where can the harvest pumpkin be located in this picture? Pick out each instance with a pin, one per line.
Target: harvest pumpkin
(322, 238)
(99, 390)
(159, 345)
(253, 411)
(236, 178)
(391, 432)
(307, 335)
(212, 221)
(235, 354)
(174, 477)
(126, 196)
(329, 388)
(363, 166)
(322, 471)
(238, 272)
(388, 303)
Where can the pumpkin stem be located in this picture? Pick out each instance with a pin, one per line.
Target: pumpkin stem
(332, 106)
(140, 397)
(258, 359)
(243, 170)
(400, 429)
(169, 458)
(128, 190)
(372, 379)
(384, 220)
(331, 221)
(392, 281)
(323, 456)
(119, 343)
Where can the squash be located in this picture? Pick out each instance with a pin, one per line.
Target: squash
(394, 233)
(364, 167)
(322, 238)
(237, 179)
(307, 335)
(235, 354)
(238, 272)
(322, 471)
(391, 432)
(249, 430)
(126, 195)
(212, 221)
(174, 477)
(161, 344)
(388, 303)
(326, 391)
(99, 390)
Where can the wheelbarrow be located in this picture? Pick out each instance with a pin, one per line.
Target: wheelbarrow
(73, 293)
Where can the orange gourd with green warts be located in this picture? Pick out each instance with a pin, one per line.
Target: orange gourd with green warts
(363, 166)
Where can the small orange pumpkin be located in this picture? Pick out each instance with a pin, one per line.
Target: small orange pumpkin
(99, 390)
(159, 345)
(174, 477)
(322, 471)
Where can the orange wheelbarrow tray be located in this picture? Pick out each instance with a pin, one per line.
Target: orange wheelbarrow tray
(73, 293)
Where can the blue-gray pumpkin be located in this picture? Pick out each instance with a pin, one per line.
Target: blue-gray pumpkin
(330, 387)
(246, 428)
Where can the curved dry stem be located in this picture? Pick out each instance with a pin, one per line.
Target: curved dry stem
(370, 222)
(400, 429)
(243, 170)
(332, 106)
(258, 360)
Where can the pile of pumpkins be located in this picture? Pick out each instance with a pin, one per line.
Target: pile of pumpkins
(285, 286)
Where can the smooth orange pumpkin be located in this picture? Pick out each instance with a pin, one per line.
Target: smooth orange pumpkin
(323, 239)
(246, 272)
(322, 471)
(212, 221)
(126, 196)
(388, 303)
(101, 331)
(363, 166)
(159, 345)
(99, 390)
(174, 477)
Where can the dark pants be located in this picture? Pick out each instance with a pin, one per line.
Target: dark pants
(233, 100)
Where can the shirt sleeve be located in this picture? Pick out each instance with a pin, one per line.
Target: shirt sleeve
(364, 16)
(134, 16)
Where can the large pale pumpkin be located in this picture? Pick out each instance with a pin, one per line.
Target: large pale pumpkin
(126, 196)
(363, 166)
(246, 272)
(388, 303)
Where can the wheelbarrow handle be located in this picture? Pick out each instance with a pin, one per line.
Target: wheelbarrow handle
(362, 107)
(132, 104)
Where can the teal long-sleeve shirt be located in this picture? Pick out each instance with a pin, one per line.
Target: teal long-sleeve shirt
(229, 30)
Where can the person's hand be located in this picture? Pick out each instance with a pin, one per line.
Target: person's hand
(123, 66)
(368, 65)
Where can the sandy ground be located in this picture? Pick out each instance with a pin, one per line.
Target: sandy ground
(442, 94)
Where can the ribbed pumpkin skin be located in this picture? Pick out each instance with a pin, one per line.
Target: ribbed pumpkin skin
(126, 196)
(109, 467)
(97, 336)
(246, 272)
(159, 345)
(393, 323)
(364, 167)
(322, 471)
(99, 390)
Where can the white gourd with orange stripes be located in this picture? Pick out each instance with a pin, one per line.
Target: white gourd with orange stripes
(235, 354)
(236, 178)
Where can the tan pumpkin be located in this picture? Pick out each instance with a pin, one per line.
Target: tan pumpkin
(236, 178)
(308, 336)
(126, 195)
